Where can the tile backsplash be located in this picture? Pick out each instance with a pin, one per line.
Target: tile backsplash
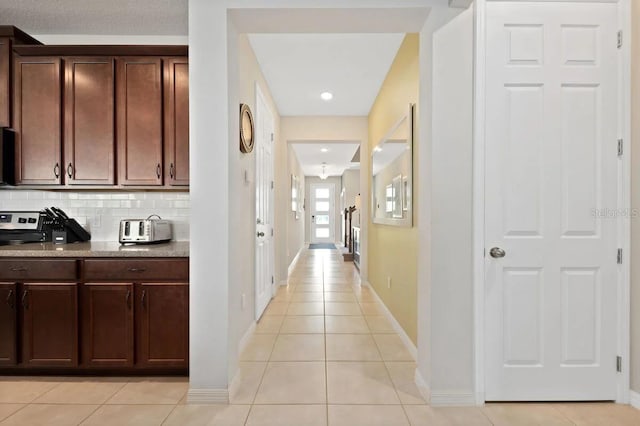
(100, 212)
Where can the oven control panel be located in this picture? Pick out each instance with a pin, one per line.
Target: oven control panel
(24, 221)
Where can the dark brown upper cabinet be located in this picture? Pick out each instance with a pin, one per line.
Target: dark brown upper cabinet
(37, 120)
(5, 82)
(176, 121)
(89, 121)
(139, 120)
(97, 116)
(9, 36)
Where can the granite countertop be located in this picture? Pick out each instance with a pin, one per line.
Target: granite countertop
(96, 249)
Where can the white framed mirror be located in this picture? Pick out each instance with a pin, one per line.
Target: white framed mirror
(392, 175)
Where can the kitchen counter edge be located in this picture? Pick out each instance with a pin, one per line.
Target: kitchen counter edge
(96, 249)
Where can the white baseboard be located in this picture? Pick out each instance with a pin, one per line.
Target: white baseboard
(634, 399)
(208, 396)
(294, 262)
(244, 341)
(462, 399)
(394, 323)
(422, 385)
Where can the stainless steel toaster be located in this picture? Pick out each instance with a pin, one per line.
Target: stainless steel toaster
(145, 231)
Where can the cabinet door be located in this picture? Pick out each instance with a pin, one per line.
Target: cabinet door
(5, 82)
(139, 118)
(37, 120)
(176, 121)
(8, 324)
(162, 320)
(107, 325)
(50, 325)
(89, 139)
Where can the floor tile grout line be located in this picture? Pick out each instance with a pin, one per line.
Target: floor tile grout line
(326, 365)
(485, 415)
(14, 413)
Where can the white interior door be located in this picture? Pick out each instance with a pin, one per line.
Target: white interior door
(264, 129)
(322, 227)
(551, 168)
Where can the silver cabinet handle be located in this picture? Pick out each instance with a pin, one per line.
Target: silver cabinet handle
(10, 300)
(497, 253)
(142, 300)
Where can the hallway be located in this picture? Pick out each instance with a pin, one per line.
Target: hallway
(324, 353)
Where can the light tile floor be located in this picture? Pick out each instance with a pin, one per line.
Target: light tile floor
(322, 354)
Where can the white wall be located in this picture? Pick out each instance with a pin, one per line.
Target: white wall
(295, 227)
(242, 205)
(336, 181)
(445, 306)
(327, 129)
(101, 211)
(211, 140)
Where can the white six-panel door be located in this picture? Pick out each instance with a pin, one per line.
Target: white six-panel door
(551, 173)
(264, 128)
(323, 216)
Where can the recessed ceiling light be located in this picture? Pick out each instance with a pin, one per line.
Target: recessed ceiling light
(324, 150)
(326, 96)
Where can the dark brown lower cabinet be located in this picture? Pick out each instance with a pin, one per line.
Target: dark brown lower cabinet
(107, 325)
(8, 324)
(162, 324)
(49, 324)
(94, 315)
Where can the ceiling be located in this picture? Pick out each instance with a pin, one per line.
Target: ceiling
(298, 67)
(113, 17)
(338, 157)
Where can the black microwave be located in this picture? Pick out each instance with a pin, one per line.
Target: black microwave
(7, 156)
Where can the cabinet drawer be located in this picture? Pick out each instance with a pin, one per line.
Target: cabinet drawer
(136, 270)
(38, 269)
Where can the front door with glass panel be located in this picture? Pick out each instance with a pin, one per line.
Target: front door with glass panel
(322, 213)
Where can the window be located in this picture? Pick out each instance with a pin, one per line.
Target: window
(323, 193)
(390, 196)
(322, 206)
(322, 219)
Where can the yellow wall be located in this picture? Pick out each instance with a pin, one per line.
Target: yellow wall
(635, 198)
(393, 250)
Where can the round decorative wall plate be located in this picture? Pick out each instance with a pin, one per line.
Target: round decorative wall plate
(246, 129)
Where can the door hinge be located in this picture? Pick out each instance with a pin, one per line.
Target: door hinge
(619, 256)
(271, 184)
(272, 232)
(271, 137)
(619, 364)
(620, 147)
(620, 35)
(272, 280)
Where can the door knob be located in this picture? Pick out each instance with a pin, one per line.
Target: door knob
(260, 234)
(497, 253)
